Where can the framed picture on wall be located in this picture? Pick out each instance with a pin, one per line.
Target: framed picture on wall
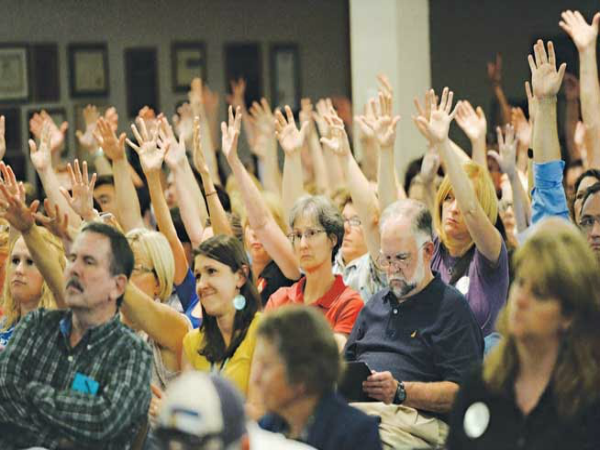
(88, 70)
(14, 73)
(188, 61)
(285, 75)
(243, 61)
(141, 79)
(45, 80)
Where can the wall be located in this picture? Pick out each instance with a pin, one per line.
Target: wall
(319, 27)
(466, 34)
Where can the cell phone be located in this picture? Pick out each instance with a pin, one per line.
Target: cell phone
(351, 385)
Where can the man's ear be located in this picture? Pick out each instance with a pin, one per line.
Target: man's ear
(120, 286)
(429, 248)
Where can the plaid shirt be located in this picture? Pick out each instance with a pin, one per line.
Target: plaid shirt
(38, 403)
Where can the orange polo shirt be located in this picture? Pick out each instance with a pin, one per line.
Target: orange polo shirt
(340, 304)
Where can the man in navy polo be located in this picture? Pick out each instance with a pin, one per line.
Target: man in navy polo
(418, 336)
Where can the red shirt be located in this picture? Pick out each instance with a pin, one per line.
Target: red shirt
(340, 304)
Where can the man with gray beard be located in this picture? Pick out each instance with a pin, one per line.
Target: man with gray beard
(418, 336)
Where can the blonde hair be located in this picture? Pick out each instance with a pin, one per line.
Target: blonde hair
(485, 193)
(155, 246)
(12, 309)
(560, 265)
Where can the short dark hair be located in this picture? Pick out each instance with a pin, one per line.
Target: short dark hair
(304, 340)
(593, 173)
(121, 258)
(101, 180)
(593, 189)
(228, 250)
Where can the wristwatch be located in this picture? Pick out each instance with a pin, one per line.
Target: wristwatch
(400, 394)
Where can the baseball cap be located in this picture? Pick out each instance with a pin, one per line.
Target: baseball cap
(201, 410)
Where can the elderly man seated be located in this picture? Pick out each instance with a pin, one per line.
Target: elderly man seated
(418, 336)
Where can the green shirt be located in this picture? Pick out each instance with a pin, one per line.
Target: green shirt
(39, 404)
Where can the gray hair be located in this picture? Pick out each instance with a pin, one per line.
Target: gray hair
(324, 213)
(418, 214)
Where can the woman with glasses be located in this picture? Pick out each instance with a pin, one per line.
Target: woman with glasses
(589, 217)
(469, 251)
(539, 388)
(317, 233)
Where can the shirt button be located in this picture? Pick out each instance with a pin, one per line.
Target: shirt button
(89, 347)
(70, 358)
(395, 311)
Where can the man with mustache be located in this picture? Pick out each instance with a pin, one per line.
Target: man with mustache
(418, 336)
(78, 378)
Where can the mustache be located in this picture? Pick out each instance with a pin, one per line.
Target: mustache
(74, 282)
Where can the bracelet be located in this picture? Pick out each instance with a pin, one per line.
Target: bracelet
(210, 193)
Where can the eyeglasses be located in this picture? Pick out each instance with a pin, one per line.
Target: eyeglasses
(309, 234)
(586, 223)
(397, 261)
(353, 222)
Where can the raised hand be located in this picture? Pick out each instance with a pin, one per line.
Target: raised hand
(263, 120)
(112, 117)
(184, 122)
(148, 115)
(238, 91)
(386, 86)
(323, 106)
(471, 121)
(545, 79)
(584, 36)
(494, 70)
(55, 221)
(430, 166)
(113, 147)
(86, 139)
(522, 127)
(195, 96)
(151, 156)
(14, 210)
(424, 112)
(441, 116)
(306, 114)
(290, 138)
(57, 134)
(532, 102)
(9, 180)
(337, 141)
(176, 155)
(42, 157)
(507, 145)
(383, 123)
(366, 122)
(82, 199)
(230, 133)
(198, 154)
(2, 137)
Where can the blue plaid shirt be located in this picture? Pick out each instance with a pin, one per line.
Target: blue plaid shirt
(40, 405)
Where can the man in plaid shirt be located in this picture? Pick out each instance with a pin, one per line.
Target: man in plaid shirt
(78, 378)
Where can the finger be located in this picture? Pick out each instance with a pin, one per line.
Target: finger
(418, 106)
(500, 137)
(136, 133)
(92, 182)
(528, 90)
(289, 115)
(551, 54)
(442, 106)
(230, 115)
(133, 146)
(495, 156)
(238, 119)
(449, 102)
(32, 146)
(561, 71)
(85, 178)
(66, 194)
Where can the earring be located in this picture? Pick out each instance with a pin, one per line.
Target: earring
(239, 302)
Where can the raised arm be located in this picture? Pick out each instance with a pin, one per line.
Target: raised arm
(265, 145)
(44, 257)
(82, 198)
(314, 146)
(275, 242)
(291, 140)
(474, 125)
(151, 158)
(482, 230)
(571, 88)
(236, 99)
(363, 197)
(128, 204)
(495, 76)
(523, 132)
(332, 161)
(218, 217)
(2, 137)
(584, 37)
(429, 169)
(507, 161)
(42, 161)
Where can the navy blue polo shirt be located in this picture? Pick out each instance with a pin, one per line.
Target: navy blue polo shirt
(431, 336)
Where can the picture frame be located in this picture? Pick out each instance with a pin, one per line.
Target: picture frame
(244, 60)
(45, 78)
(285, 75)
(188, 61)
(88, 70)
(14, 73)
(141, 79)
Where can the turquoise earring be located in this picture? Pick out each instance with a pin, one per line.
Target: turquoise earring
(239, 302)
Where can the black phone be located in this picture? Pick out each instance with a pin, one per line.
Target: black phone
(351, 385)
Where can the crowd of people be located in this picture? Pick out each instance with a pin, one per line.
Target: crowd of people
(186, 297)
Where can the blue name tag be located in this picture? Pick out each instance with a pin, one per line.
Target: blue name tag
(85, 384)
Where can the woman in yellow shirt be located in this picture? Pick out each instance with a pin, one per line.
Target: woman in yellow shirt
(225, 340)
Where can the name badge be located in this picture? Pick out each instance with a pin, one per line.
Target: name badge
(84, 384)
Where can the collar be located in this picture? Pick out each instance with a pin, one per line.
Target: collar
(94, 336)
(297, 294)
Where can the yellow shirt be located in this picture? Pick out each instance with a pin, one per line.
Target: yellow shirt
(237, 368)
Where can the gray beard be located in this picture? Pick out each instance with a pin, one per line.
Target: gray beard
(409, 285)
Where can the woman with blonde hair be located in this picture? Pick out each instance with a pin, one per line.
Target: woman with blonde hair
(469, 251)
(539, 387)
